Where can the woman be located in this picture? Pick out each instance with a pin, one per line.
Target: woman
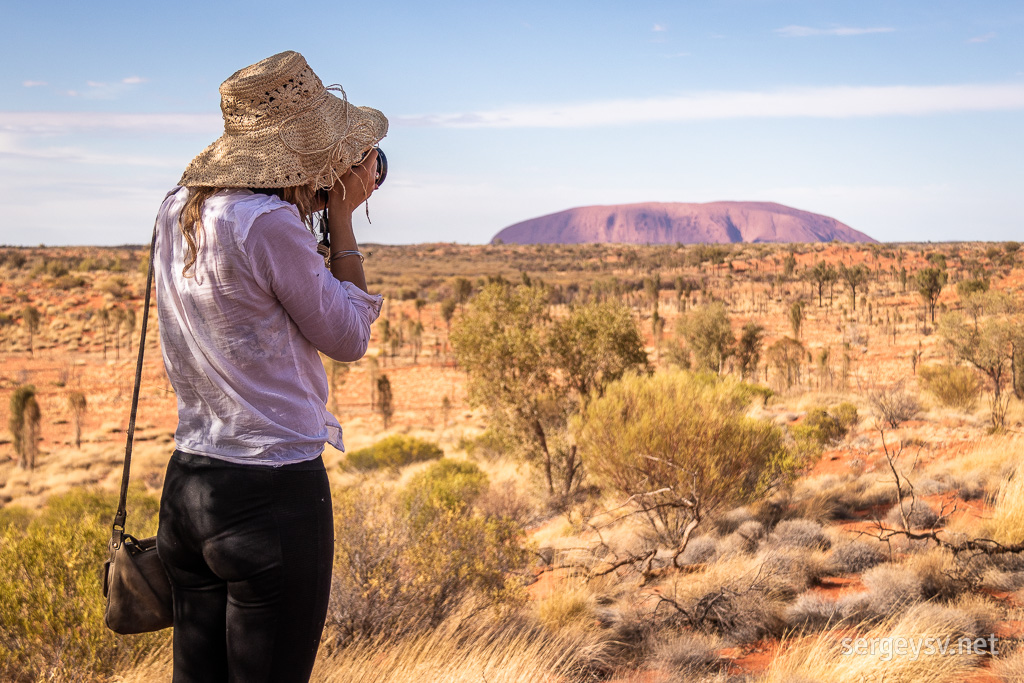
(245, 303)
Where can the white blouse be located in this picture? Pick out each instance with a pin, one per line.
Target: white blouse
(240, 336)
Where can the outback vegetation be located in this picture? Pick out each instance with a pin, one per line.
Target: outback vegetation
(577, 463)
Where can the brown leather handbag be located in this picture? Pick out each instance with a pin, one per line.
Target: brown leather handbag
(134, 581)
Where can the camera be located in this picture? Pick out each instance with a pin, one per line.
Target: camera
(382, 167)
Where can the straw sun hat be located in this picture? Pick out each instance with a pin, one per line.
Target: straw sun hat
(283, 128)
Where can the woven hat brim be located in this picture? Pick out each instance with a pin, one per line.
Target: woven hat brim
(315, 147)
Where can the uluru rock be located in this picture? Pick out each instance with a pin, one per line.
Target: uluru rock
(671, 223)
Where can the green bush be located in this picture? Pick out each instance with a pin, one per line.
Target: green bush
(955, 386)
(451, 485)
(820, 427)
(673, 438)
(846, 413)
(393, 452)
(51, 600)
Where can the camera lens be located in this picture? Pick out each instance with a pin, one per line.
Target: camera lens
(382, 167)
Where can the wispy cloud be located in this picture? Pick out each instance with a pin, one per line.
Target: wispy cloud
(34, 84)
(61, 123)
(659, 28)
(983, 38)
(103, 90)
(805, 31)
(830, 102)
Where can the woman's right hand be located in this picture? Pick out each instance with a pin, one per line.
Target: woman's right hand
(355, 186)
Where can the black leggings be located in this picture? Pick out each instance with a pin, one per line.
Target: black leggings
(248, 550)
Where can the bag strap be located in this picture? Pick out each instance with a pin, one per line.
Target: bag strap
(117, 531)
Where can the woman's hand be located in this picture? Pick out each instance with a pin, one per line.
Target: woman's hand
(352, 190)
(355, 186)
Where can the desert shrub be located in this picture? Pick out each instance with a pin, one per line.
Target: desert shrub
(737, 603)
(447, 485)
(995, 579)
(751, 530)
(729, 521)
(846, 413)
(890, 588)
(854, 557)
(642, 439)
(66, 282)
(942, 575)
(811, 612)
(395, 573)
(790, 569)
(14, 518)
(892, 404)
(687, 655)
(393, 452)
(799, 533)
(931, 487)
(116, 286)
(955, 386)
(503, 499)
(699, 550)
(51, 601)
(820, 427)
(488, 444)
(919, 514)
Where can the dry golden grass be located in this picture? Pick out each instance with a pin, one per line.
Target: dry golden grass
(986, 463)
(459, 651)
(485, 654)
(1005, 522)
(828, 657)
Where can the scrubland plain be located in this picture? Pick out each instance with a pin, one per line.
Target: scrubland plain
(821, 448)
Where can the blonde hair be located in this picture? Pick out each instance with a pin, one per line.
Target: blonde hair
(191, 219)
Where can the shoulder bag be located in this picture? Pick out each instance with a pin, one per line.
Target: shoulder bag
(134, 581)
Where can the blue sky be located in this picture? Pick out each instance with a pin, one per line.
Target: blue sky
(904, 120)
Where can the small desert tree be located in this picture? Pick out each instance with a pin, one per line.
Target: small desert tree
(786, 356)
(822, 274)
(854, 277)
(447, 312)
(678, 466)
(532, 373)
(708, 334)
(78, 406)
(990, 347)
(384, 399)
(930, 282)
(30, 317)
(24, 425)
(796, 317)
(748, 349)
